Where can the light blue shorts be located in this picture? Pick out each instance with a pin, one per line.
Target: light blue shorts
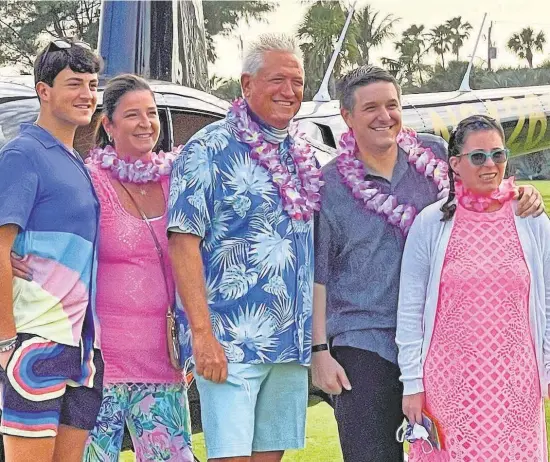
(260, 408)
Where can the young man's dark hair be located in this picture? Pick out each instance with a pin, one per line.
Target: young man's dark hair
(62, 53)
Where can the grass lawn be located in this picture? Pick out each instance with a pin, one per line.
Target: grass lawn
(321, 444)
(322, 438)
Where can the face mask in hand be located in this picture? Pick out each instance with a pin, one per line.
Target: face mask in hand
(412, 433)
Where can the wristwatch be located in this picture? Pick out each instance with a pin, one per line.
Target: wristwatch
(319, 347)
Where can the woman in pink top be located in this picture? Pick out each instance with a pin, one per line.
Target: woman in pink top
(141, 386)
(472, 330)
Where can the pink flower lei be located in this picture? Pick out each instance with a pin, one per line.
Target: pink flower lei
(353, 173)
(138, 172)
(479, 203)
(299, 200)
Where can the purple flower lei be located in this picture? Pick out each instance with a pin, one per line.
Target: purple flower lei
(138, 172)
(299, 200)
(353, 173)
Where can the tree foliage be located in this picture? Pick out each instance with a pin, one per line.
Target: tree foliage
(412, 50)
(459, 32)
(320, 29)
(26, 26)
(223, 17)
(440, 41)
(319, 32)
(449, 79)
(525, 42)
(371, 31)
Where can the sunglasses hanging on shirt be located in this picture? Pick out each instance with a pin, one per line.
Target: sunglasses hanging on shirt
(289, 162)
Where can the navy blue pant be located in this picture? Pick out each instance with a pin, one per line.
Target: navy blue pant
(368, 416)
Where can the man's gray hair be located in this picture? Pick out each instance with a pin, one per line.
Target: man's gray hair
(254, 55)
(363, 75)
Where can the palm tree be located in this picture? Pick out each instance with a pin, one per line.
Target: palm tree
(459, 31)
(371, 31)
(525, 42)
(412, 49)
(440, 38)
(319, 31)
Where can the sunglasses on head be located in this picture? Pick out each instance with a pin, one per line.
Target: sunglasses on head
(478, 157)
(64, 44)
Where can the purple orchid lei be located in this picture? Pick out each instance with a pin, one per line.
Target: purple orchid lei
(300, 199)
(138, 172)
(353, 173)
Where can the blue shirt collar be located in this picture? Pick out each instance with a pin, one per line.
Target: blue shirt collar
(42, 135)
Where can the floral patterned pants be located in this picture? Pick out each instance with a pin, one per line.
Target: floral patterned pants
(157, 416)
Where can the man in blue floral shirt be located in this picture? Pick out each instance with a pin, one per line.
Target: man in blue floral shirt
(241, 200)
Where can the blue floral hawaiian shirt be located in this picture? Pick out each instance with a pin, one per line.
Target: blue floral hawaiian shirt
(258, 261)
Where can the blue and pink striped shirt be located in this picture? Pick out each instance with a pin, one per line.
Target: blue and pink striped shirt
(46, 191)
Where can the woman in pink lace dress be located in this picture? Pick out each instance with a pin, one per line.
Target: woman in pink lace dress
(134, 289)
(472, 331)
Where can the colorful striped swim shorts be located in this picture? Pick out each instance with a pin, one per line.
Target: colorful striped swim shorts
(46, 384)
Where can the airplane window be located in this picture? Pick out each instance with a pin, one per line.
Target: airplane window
(316, 135)
(311, 130)
(13, 114)
(186, 124)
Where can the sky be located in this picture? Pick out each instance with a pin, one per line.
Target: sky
(508, 16)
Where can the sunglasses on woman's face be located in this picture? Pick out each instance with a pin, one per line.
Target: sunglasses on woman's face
(479, 156)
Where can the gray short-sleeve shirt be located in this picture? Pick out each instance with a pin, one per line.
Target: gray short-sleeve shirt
(358, 254)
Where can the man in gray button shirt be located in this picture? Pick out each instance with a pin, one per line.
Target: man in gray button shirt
(357, 264)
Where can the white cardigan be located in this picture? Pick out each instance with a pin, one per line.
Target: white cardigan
(419, 291)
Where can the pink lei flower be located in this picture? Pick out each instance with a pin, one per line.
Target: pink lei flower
(479, 203)
(353, 175)
(300, 199)
(138, 171)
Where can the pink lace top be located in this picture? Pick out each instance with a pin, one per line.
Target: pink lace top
(480, 375)
(131, 296)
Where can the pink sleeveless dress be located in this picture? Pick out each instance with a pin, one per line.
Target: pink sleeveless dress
(480, 375)
(131, 296)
